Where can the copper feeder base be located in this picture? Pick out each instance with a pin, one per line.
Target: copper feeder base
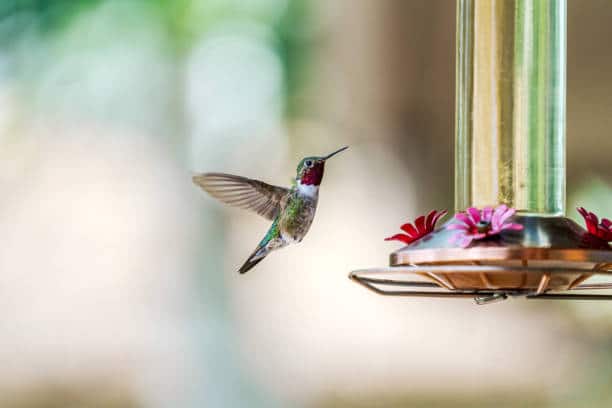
(551, 257)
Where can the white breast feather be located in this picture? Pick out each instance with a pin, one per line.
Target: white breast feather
(309, 190)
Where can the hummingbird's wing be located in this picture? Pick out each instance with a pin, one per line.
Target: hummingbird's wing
(255, 195)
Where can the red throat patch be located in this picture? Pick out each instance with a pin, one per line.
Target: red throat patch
(313, 175)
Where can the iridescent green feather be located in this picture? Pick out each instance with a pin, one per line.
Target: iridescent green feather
(292, 212)
(273, 232)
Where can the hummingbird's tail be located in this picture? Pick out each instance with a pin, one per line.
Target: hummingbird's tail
(269, 242)
(256, 257)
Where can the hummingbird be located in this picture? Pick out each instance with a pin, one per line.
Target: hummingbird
(291, 210)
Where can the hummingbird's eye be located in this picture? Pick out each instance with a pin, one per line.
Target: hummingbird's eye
(308, 163)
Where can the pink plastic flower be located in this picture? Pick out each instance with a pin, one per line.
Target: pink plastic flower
(602, 230)
(422, 226)
(475, 224)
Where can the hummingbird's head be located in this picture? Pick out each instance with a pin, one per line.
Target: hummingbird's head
(310, 170)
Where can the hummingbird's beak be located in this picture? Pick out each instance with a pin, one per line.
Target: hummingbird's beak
(335, 153)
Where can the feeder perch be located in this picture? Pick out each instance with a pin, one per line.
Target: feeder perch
(510, 149)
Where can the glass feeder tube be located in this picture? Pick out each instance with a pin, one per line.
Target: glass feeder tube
(510, 105)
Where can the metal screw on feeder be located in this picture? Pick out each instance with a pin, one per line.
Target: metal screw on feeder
(510, 149)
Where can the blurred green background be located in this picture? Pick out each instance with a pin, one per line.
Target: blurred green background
(118, 285)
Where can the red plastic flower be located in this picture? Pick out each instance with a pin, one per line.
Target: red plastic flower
(422, 226)
(475, 224)
(602, 230)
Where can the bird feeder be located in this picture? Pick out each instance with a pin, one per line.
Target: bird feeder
(510, 149)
